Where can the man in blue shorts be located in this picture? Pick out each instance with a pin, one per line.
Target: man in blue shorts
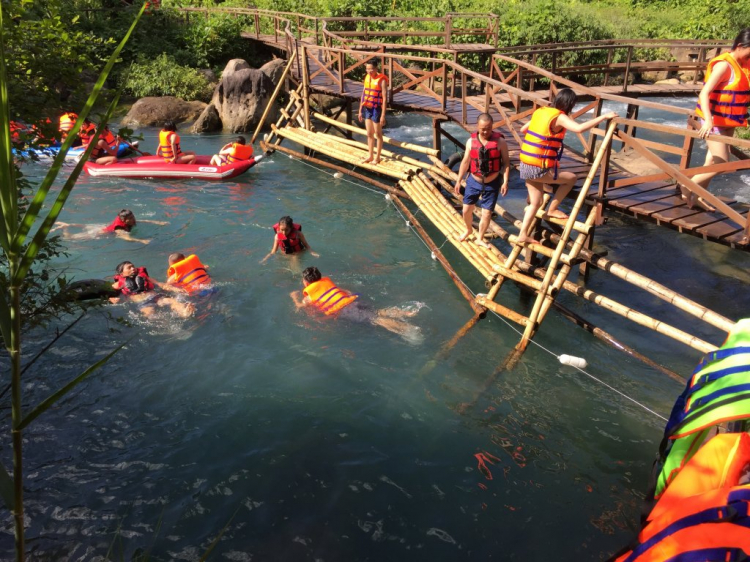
(372, 109)
(486, 159)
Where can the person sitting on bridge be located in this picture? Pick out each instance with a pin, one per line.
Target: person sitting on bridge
(541, 153)
(486, 157)
(372, 104)
(722, 107)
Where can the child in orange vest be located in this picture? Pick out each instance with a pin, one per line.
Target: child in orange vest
(233, 152)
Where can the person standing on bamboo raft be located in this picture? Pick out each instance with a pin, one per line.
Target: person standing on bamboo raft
(372, 106)
(722, 107)
(541, 153)
(486, 158)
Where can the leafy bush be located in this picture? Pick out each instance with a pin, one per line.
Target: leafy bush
(163, 76)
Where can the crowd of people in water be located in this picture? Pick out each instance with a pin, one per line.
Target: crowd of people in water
(722, 106)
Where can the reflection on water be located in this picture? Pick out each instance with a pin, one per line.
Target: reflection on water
(312, 439)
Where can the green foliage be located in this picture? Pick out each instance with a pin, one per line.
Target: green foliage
(163, 76)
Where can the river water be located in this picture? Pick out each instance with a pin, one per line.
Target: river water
(300, 438)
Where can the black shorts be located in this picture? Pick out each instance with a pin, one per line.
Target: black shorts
(357, 312)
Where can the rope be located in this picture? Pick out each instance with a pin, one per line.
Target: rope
(511, 326)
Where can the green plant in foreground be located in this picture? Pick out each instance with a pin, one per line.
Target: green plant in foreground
(20, 252)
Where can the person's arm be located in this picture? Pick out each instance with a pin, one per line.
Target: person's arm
(717, 75)
(506, 167)
(299, 300)
(525, 128)
(167, 287)
(148, 221)
(273, 249)
(125, 235)
(106, 148)
(307, 245)
(226, 149)
(566, 122)
(384, 93)
(173, 144)
(463, 168)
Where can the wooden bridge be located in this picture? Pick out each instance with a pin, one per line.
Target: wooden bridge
(327, 56)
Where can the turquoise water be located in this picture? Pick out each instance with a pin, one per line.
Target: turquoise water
(311, 439)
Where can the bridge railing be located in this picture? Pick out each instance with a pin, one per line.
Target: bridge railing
(443, 87)
(606, 61)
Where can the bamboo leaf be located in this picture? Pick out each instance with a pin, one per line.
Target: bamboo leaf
(8, 189)
(5, 321)
(218, 537)
(36, 205)
(41, 235)
(6, 488)
(49, 401)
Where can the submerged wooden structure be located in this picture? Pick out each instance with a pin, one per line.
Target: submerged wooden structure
(327, 55)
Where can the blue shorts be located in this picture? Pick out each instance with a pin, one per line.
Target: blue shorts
(474, 194)
(372, 113)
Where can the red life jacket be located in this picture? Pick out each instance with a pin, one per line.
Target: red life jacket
(139, 283)
(486, 159)
(16, 129)
(291, 243)
(118, 224)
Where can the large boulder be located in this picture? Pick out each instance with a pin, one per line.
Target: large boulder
(153, 112)
(208, 122)
(242, 96)
(274, 69)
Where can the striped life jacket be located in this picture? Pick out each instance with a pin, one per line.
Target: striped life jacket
(327, 297)
(240, 152)
(190, 274)
(703, 515)
(67, 122)
(372, 95)
(486, 159)
(165, 145)
(718, 392)
(728, 105)
(541, 147)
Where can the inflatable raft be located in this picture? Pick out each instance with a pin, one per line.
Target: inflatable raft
(155, 167)
(50, 152)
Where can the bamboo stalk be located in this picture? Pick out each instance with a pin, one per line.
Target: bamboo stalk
(502, 310)
(384, 152)
(357, 130)
(273, 97)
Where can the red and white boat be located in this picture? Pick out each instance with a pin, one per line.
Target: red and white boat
(156, 167)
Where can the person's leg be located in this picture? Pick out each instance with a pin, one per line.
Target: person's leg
(378, 134)
(106, 160)
(468, 214)
(536, 195)
(565, 182)
(186, 158)
(148, 311)
(396, 312)
(484, 223)
(370, 126)
(487, 203)
(392, 325)
(215, 160)
(181, 309)
(718, 153)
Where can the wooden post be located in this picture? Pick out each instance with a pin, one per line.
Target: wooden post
(609, 62)
(687, 147)
(463, 99)
(591, 144)
(701, 59)
(445, 90)
(532, 82)
(306, 88)
(554, 62)
(448, 31)
(437, 137)
(453, 74)
(627, 70)
(341, 72)
(257, 25)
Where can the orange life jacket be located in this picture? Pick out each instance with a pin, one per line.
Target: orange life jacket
(327, 297)
(152, 5)
(190, 274)
(485, 159)
(68, 121)
(165, 145)
(16, 130)
(86, 132)
(372, 95)
(240, 152)
(541, 147)
(728, 104)
(703, 514)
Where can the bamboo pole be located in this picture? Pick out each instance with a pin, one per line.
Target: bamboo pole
(273, 98)
(384, 152)
(312, 159)
(306, 89)
(357, 130)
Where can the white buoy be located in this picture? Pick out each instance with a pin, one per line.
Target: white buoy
(387, 196)
(573, 361)
(338, 175)
(408, 224)
(433, 255)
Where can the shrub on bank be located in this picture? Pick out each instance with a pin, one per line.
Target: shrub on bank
(162, 76)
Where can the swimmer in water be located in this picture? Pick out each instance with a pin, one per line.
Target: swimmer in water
(135, 284)
(189, 274)
(289, 239)
(322, 294)
(121, 227)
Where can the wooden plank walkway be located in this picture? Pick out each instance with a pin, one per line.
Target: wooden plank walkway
(654, 202)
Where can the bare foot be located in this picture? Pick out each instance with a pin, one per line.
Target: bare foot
(693, 201)
(367, 160)
(482, 243)
(376, 162)
(524, 240)
(464, 236)
(556, 214)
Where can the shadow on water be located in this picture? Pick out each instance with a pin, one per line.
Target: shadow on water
(335, 441)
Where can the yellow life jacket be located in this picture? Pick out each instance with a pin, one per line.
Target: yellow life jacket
(372, 95)
(67, 122)
(327, 297)
(541, 147)
(165, 145)
(728, 104)
(190, 274)
(240, 152)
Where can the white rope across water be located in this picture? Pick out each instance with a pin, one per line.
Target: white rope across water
(511, 326)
